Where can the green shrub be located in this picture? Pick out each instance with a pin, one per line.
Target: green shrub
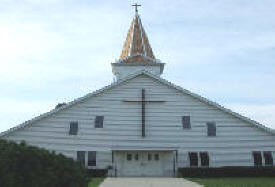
(229, 171)
(27, 166)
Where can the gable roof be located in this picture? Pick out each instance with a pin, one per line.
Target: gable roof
(129, 77)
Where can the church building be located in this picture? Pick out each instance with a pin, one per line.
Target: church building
(144, 125)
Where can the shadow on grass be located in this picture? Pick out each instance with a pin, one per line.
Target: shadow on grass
(95, 182)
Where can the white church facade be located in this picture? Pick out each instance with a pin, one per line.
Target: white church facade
(143, 125)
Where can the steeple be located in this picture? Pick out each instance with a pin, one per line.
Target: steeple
(137, 46)
(137, 53)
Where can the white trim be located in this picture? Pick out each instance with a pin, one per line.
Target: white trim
(129, 77)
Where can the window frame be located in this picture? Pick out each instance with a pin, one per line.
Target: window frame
(73, 128)
(99, 121)
(129, 157)
(149, 157)
(266, 159)
(156, 156)
(92, 158)
(136, 157)
(210, 127)
(191, 160)
(202, 159)
(258, 163)
(79, 156)
(186, 122)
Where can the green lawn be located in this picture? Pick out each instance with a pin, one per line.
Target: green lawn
(236, 182)
(96, 182)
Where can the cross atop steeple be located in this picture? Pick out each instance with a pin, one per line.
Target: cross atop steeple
(136, 7)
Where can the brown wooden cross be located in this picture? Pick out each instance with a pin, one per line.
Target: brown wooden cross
(136, 7)
(143, 102)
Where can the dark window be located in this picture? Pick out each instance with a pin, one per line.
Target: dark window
(268, 158)
(149, 156)
(91, 158)
(99, 121)
(136, 156)
(211, 129)
(129, 157)
(73, 128)
(257, 158)
(81, 157)
(156, 156)
(193, 157)
(186, 122)
(204, 159)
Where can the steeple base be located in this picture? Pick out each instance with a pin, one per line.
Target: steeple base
(121, 70)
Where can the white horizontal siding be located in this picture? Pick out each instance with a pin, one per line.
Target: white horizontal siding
(233, 144)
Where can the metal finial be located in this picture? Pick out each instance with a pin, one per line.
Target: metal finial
(136, 7)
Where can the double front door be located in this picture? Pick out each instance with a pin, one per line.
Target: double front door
(144, 163)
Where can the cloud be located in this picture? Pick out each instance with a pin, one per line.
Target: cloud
(56, 50)
(13, 112)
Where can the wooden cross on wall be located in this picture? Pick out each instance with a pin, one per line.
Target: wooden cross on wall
(143, 102)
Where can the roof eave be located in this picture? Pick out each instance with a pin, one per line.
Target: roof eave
(129, 77)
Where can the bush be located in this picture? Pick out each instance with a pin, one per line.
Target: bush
(234, 171)
(27, 166)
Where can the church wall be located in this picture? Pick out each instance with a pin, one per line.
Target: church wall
(232, 146)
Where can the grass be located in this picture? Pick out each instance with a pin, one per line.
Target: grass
(236, 182)
(96, 182)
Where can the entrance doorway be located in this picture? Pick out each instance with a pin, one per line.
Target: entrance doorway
(144, 163)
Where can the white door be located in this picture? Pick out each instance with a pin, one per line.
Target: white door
(144, 164)
(128, 164)
(152, 164)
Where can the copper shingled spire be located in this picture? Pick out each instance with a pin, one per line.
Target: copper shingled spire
(137, 47)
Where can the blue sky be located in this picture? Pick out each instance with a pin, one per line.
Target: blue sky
(54, 51)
